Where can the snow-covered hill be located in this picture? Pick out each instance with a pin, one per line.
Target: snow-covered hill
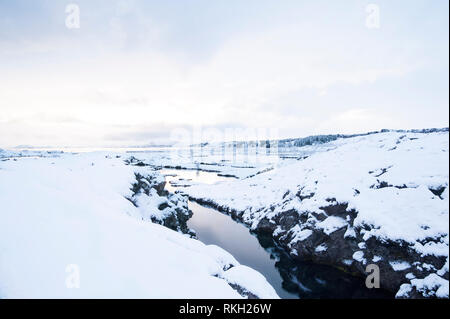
(380, 198)
(69, 229)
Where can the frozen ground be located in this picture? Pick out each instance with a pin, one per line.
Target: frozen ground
(68, 231)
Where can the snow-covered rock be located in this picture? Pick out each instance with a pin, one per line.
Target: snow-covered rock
(378, 198)
(158, 205)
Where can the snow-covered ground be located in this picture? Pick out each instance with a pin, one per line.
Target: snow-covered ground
(239, 166)
(67, 230)
(377, 190)
(379, 198)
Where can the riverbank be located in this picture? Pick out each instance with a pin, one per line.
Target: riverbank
(380, 198)
(290, 278)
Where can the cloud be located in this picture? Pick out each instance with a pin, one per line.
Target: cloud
(135, 71)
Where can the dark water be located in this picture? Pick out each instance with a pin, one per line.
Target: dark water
(290, 279)
(212, 227)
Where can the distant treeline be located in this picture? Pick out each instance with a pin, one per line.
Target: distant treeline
(314, 139)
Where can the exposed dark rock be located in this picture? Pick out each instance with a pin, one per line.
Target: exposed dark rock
(175, 206)
(243, 292)
(135, 162)
(381, 184)
(144, 184)
(339, 247)
(338, 209)
(438, 190)
(300, 194)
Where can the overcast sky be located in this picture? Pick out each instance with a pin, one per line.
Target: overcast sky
(136, 70)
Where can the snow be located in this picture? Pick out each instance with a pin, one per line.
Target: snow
(225, 258)
(410, 275)
(420, 161)
(321, 248)
(362, 245)
(249, 280)
(359, 256)
(350, 233)
(301, 235)
(402, 224)
(208, 159)
(386, 179)
(377, 258)
(403, 291)
(68, 231)
(399, 265)
(430, 286)
(445, 195)
(331, 224)
(347, 262)
(146, 204)
(430, 283)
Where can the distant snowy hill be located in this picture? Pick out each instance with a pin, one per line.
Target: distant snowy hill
(373, 198)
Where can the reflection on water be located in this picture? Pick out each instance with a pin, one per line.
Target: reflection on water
(310, 280)
(212, 227)
(187, 177)
(291, 279)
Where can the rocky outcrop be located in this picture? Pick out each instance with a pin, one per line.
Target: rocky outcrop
(157, 204)
(306, 238)
(342, 246)
(378, 198)
(243, 292)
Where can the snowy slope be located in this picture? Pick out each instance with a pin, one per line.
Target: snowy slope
(65, 216)
(377, 190)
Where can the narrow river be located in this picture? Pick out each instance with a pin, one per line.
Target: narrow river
(290, 279)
